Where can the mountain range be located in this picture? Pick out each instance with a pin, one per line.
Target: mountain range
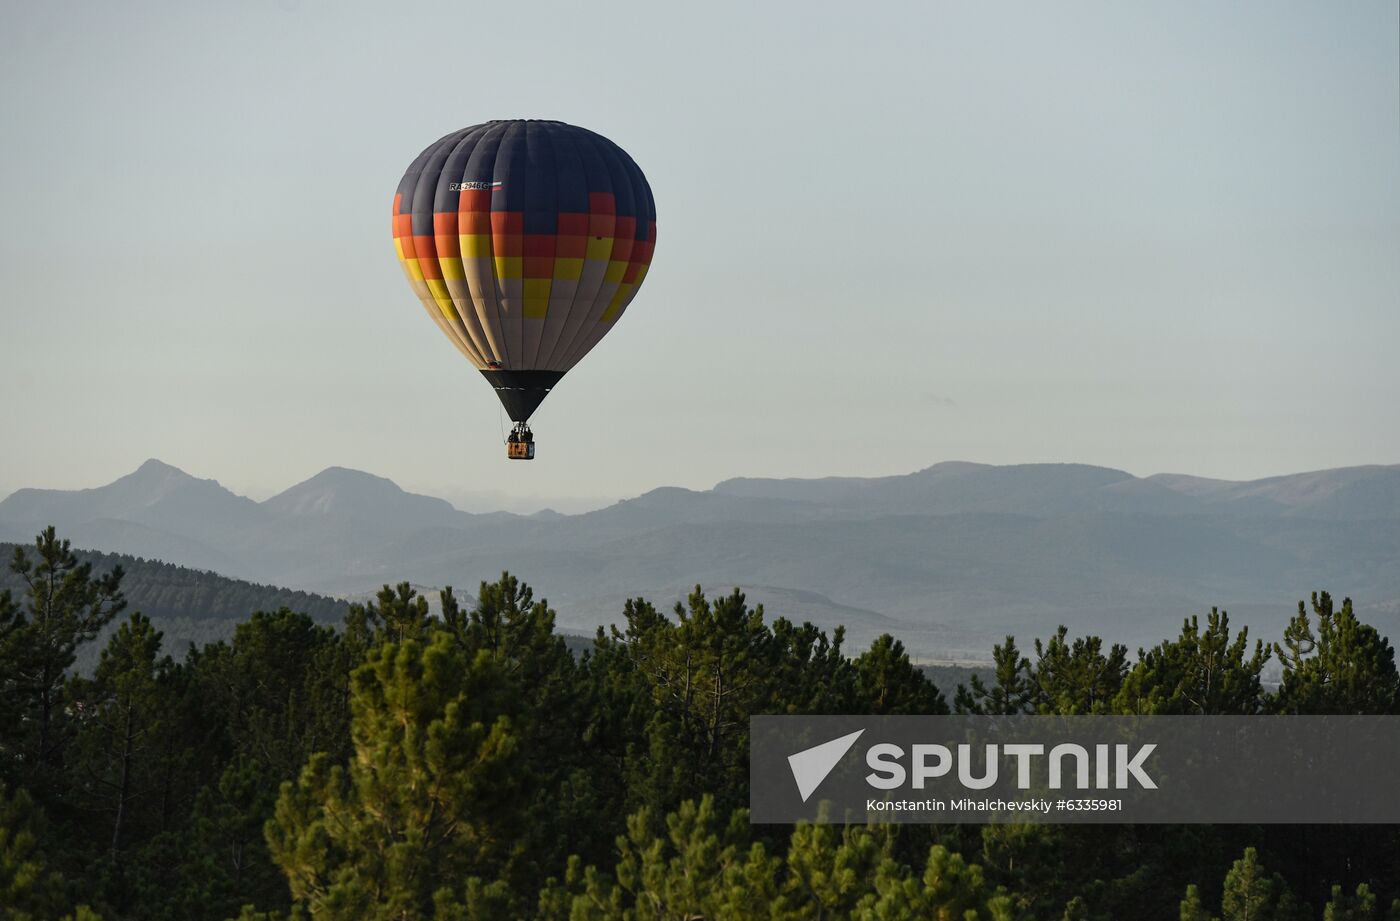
(948, 558)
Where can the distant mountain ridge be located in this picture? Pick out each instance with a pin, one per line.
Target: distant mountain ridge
(1368, 492)
(947, 556)
(352, 495)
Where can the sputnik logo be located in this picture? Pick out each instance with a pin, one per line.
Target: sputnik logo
(810, 766)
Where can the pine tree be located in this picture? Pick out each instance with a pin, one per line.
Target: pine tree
(1076, 910)
(65, 606)
(705, 674)
(397, 614)
(516, 632)
(829, 869)
(281, 687)
(1014, 691)
(1078, 678)
(429, 801)
(1346, 667)
(219, 861)
(1252, 894)
(1191, 907)
(809, 673)
(949, 888)
(1358, 907)
(29, 889)
(700, 867)
(1200, 672)
(120, 713)
(888, 683)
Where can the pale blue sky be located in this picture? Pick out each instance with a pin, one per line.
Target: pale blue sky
(1159, 237)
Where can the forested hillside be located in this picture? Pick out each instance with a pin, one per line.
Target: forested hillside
(186, 605)
(469, 766)
(164, 590)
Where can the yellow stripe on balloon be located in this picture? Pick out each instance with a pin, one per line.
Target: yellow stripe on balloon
(475, 244)
(451, 269)
(510, 266)
(568, 269)
(536, 299)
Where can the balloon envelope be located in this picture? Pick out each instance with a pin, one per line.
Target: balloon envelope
(525, 240)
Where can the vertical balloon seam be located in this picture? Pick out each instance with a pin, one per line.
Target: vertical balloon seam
(633, 250)
(470, 305)
(621, 182)
(424, 244)
(645, 245)
(520, 163)
(596, 176)
(500, 245)
(557, 315)
(641, 196)
(552, 137)
(426, 188)
(504, 152)
(541, 206)
(596, 302)
(454, 171)
(533, 189)
(407, 249)
(527, 192)
(584, 295)
(486, 302)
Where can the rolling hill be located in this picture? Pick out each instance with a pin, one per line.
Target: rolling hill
(187, 605)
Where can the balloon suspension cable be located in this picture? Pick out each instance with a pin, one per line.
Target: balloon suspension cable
(520, 433)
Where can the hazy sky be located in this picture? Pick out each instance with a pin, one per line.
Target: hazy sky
(1158, 237)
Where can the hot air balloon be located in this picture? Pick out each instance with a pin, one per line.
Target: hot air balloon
(525, 240)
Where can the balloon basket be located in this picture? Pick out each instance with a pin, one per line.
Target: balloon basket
(521, 443)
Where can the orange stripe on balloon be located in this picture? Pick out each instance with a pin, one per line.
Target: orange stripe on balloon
(474, 200)
(448, 245)
(507, 222)
(471, 223)
(444, 223)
